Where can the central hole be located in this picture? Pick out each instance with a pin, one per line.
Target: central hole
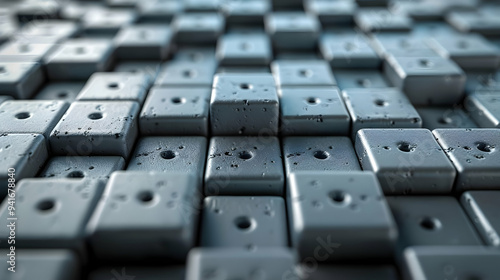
(169, 154)
(95, 116)
(145, 196)
(406, 147)
(463, 44)
(337, 196)
(113, 85)
(425, 63)
(305, 73)
(24, 48)
(445, 120)
(245, 86)
(76, 174)
(430, 223)
(484, 147)
(80, 50)
(243, 223)
(3, 70)
(381, 103)
(245, 46)
(364, 82)
(177, 100)
(245, 155)
(46, 205)
(313, 100)
(321, 154)
(188, 73)
(62, 94)
(22, 115)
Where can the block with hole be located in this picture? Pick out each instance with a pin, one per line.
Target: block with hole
(332, 14)
(484, 108)
(475, 153)
(116, 86)
(406, 161)
(380, 108)
(198, 28)
(20, 79)
(106, 22)
(303, 73)
(78, 59)
(292, 30)
(145, 41)
(360, 79)
(244, 166)
(24, 51)
(244, 48)
(444, 117)
(319, 153)
(93, 167)
(249, 13)
(310, 111)
(170, 154)
(24, 153)
(176, 111)
(243, 222)
(343, 213)
(244, 104)
(348, 51)
(31, 116)
(69, 202)
(146, 215)
(64, 91)
(91, 128)
(382, 20)
(433, 81)
(187, 73)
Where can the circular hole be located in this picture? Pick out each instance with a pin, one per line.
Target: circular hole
(143, 34)
(445, 120)
(95, 116)
(312, 100)
(245, 46)
(484, 147)
(349, 46)
(22, 115)
(305, 73)
(406, 147)
(387, 148)
(381, 103)
(245, 86)
(24, 48)
(169, 154)
(364, 82)
(46, 205)
(80, 50)
(430, 223)
(245, 155)
(62, 94)
(243, 223)
(467, 148)
(178, 100)
(462, 44)
(196, 56)
(76, 174)
(339, 197)
(3, 70)
(113, 85)
(145, 196)
(425, 63)
(188, 73)
(321, 154)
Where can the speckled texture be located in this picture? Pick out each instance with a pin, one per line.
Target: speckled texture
(82, 167)
(302, 73)
(244, 166)
(20, 79)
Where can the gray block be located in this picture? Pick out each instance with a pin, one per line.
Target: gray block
(201, 5)
(26, 153)
(360, 79)
(319, 154)
(31, 116)
(288, 73)
(20, 79)
(244, 104)
(266, 263)
(484, 108)
(469, 51)
(53, 213)
(339, 215)
(158, 11)
(176, 111)
(406, 161)
(348, 51)
(78, 59)
(382, 20)
(245, 12)
(426, 80)
(116, 86)
(475, 154)
(483, 22)
(252, 48)
(244, 222)
(451, 262)
(292, 30)
(311, 111)
(146, 215)
(82, 167)
(244, 166)
(106, 128)
(380, 108)
(40, 264)
(332, 13)
(482, 208)
(144, 41)
(171, 272)
(353, 272)
(170, 154)
(48, 31)
(431, 221)
(65, 91)
(198, 55)
(186, 73)
(150, 68)
(444, 117)
(107, 21)
(401, 45)
(20, 51)
(198, 28)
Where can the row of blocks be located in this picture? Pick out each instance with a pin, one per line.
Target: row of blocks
(146, 215)
(406, 161)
